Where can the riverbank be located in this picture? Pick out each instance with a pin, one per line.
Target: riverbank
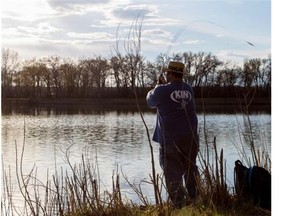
(202, 104)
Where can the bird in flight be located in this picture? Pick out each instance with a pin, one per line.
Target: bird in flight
(250, 43)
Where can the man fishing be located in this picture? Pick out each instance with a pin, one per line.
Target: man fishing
(176, 132)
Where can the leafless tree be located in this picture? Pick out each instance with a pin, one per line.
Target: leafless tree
(265, 72)
(251, 71)
(54, 75)
(203, 68)
(71, 78)
(116, 67)
(9, 67)
(152, 73)
(94, 73)
(30, 78)
(227, 76)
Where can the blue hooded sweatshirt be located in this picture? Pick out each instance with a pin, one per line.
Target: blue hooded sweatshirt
(176, 115)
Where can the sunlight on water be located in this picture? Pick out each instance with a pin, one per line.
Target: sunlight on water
(114, 141)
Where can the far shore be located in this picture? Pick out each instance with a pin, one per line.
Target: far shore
(202, 104)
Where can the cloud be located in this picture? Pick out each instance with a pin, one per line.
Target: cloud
(194, 42)
(243, 54)
(128, 14)
(77, 5)
(94, 36)
(42, 28)
(28, 10)
(132, 11)
(157, 32)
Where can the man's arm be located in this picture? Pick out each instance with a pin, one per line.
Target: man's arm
(151, 98)
(153, 95)
(161, 79)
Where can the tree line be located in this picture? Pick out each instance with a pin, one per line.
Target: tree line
(121, 75)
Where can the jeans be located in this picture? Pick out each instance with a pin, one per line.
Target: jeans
(178, 161)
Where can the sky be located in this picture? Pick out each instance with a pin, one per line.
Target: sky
(233, 30)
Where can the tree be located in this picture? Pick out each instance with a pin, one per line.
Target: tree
(162, 60)
(227, 77)
(85, 68)
(203, 68)
(46, 76)
(265, 72)
(9, 67)
(141, 74)
(31, 78)
(94, 73)
(188, 61)
(53, 75)
(115, 63)
(71, 78)
(102, 72)
(152, 73)
(251, 72)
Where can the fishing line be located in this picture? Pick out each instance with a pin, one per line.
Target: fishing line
(219, 31)
(228, 33)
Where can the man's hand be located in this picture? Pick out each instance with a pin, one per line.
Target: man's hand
(161, 79)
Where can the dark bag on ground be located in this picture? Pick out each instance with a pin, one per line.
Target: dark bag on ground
(253, 183)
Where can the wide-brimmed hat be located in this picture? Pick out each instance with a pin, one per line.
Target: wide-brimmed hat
(176, 67)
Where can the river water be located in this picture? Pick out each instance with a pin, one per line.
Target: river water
(117, 143)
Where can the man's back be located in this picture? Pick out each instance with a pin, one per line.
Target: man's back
(176, 109)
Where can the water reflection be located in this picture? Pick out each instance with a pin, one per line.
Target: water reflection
(60, 109)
